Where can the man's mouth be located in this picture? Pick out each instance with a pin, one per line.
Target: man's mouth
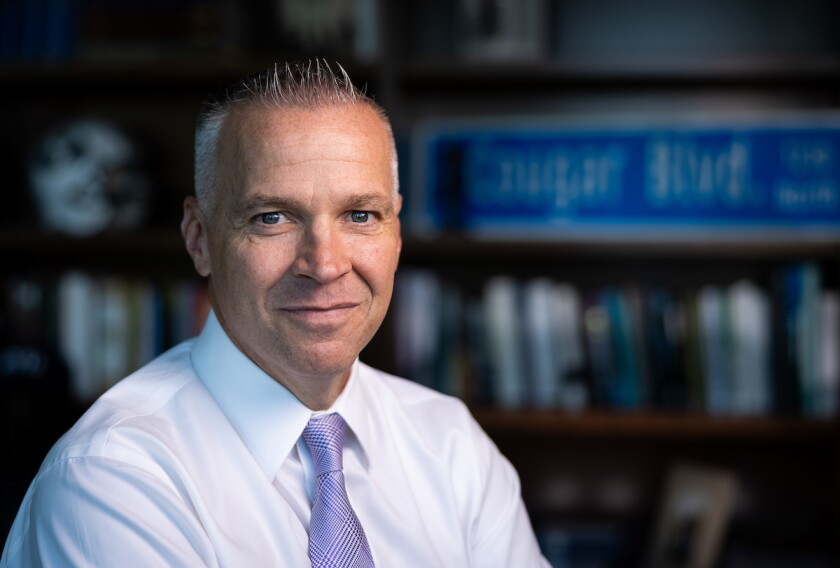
(321, 316)
(315, 308)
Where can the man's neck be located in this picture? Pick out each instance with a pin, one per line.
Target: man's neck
(316, 392)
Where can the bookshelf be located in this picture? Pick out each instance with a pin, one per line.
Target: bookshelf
(790, 465)
(794, 74)
(658, 426)
(596, 470)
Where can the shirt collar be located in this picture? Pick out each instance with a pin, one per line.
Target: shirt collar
(268, 417)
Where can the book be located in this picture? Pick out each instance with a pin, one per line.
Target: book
(807, 328)
(541, 346)
(800, 320)
(787, 396)
(418, 325)
(828, 397)
(128, 29)
(23, 306)
(115, 332)
(449, 371)
(692, 367)
(715, 348)
(478, 384)
(751, 390)
(107, 327)
(38, 30)
(664, 331)
(544, 344)
(505, 353)
(598, 333)
(625, 385)
(78, 338)
(570, 355)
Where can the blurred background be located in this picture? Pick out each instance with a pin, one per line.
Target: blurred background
(621, 226)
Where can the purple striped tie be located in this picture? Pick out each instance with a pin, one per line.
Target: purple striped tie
(336, 537)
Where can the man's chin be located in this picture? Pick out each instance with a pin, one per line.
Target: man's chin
(324, 368)
(322, 360)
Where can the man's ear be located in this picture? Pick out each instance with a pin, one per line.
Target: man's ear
(194, 230)
(397, 210)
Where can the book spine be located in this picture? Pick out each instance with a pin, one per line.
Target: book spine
(503, 328)
(540, 347)
(77, 333)
(598, 331)
(714, 348)
(750, 323)
(829, 362)
(569, 352)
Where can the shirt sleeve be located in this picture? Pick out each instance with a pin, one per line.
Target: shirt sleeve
(95, 511)
(502, 532)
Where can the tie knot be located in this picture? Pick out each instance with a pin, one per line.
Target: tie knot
(324, 436)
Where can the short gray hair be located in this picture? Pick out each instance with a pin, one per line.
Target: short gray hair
(310, 86)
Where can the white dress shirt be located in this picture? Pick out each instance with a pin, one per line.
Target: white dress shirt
(196, 460)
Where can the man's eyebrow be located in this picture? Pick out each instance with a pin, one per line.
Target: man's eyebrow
(370, 200)
(262, 203)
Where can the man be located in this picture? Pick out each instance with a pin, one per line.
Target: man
(265, 442)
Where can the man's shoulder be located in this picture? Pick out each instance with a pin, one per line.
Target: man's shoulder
(136, 404)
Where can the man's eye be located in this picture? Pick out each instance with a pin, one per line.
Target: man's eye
(270, 218)
(360, 216)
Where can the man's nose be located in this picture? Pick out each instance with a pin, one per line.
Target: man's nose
(321, 253)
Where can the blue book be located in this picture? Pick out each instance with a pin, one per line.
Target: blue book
(625, 392)
(11, 36)
(776, 175)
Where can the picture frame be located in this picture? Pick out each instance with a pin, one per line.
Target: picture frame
(696, 507)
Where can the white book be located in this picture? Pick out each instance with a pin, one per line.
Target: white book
(540, 346)
(503, 341)
(749, 311)
(78, 338)
(714, 348)
(115, 334)
(567, 327)
(418, 325)
(829, 362)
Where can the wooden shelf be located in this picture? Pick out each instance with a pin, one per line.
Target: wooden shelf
(751, 73)
(145, 242)
(769, 247)
(168, 243)
(148, 252)
(615, 425)
(193, 73)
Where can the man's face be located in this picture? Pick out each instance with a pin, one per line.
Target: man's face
(304, 237)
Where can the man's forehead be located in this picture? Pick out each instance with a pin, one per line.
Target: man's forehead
(263, 143)
(266, 123)
(264, 138)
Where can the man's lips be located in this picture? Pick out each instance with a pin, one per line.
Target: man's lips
(333, 307)
(318, 316)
